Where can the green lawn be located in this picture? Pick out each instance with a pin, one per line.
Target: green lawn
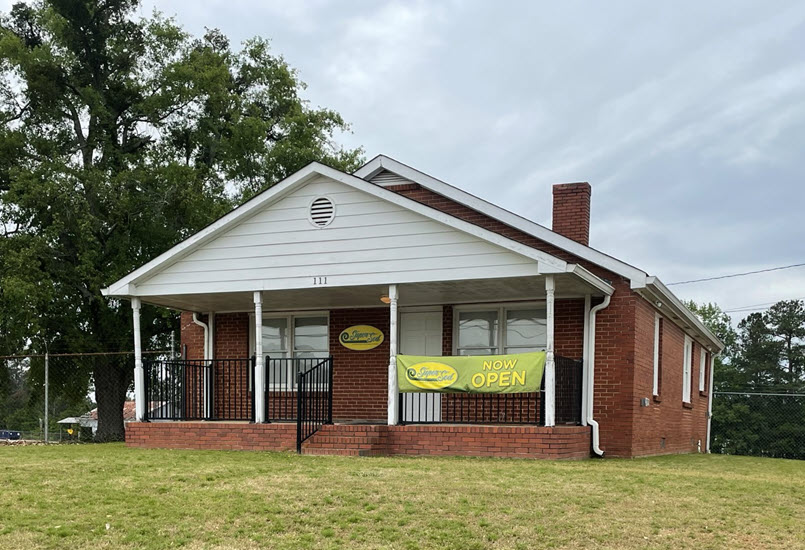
(108, 496)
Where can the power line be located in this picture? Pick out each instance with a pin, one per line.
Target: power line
(736, 274)
(759, 307)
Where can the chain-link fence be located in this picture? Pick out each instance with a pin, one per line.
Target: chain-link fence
(67, 397)
(759, 424)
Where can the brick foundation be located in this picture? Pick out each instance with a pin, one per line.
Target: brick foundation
(561, 442)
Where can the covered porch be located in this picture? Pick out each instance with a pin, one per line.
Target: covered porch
(307, 381)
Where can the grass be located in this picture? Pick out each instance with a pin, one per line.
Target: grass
(109, 496)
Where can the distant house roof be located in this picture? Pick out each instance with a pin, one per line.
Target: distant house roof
(129, 411)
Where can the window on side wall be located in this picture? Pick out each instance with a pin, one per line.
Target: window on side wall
(686, 369)
(488, 330)
(702, 369)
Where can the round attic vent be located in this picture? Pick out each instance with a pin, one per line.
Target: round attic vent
(322, 211)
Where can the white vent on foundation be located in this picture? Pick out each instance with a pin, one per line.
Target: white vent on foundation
(321, 212)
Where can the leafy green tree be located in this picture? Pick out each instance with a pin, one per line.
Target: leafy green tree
(786, 320)
(719, 324)
(764, 355)
(121, 136)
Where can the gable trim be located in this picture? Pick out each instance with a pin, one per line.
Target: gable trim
(127, 285)
(636, 276)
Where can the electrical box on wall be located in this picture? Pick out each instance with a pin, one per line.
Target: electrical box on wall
(644, 401)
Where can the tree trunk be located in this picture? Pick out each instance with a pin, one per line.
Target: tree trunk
(113, 376)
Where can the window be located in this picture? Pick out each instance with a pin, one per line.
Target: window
(307, 338)
(499, 330)
(686, 368)
(657, 354)
(702, 368)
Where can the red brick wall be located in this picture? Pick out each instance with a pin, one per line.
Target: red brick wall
(214, 436)
(231, 335)
(447, 331)
(571, 211)
(569, 328)
(569, 442)
(192, 335)
(666, 425)
(360, 378)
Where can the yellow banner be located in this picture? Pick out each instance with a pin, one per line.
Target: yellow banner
(513, 373)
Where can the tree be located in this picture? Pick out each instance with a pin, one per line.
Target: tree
(719, 324)
(120, 137)
(764, 355)
(786, 320)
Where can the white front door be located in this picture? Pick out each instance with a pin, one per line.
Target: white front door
(421, 334)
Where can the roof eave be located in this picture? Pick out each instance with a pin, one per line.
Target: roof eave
(665, 300)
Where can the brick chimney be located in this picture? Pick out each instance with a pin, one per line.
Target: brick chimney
(571, 211)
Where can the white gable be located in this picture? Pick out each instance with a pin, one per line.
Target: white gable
(370, 240)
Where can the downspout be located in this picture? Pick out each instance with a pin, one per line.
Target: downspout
(211, 332)
(206, 335)
(591, 375)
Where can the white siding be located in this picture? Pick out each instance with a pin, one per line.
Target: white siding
(370, 241)
(384, 178)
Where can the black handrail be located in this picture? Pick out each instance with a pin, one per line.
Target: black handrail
(314, 399)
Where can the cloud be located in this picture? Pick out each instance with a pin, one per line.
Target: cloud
(688, 119)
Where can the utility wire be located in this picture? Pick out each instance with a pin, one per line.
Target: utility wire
(736, 274)
(759, 307)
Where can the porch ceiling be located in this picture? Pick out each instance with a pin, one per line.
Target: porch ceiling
(413, 294)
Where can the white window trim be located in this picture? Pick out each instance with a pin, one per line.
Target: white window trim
(656, 388)
(687, 366)
(702, 368)
(289, 316)
(501, 308)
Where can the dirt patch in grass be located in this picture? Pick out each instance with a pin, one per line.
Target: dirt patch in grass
(109, 496)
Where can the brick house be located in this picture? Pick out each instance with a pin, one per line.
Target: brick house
(416, 267)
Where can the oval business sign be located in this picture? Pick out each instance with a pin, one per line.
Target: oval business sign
(361, 337)
(431, 375)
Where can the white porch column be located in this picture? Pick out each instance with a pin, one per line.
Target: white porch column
(394, 413)
(139, 374)
(259, 371)
(550, 367)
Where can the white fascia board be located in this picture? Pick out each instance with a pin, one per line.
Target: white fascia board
(661, 293)
(125, 286)
(591, 279)
(636, 276)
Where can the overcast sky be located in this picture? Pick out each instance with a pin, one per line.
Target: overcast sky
(688, 118)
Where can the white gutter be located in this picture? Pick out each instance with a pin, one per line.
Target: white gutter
(206, 335)
(591, 375)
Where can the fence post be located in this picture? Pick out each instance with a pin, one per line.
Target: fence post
(47, 383)
(330, 390)
(299, 422)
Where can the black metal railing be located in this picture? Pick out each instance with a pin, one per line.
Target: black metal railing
(197, 389)
(506, 408)
(314, 399)
(568, 390)
(281, 386)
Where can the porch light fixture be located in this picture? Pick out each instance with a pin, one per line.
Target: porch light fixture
(385, 299)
